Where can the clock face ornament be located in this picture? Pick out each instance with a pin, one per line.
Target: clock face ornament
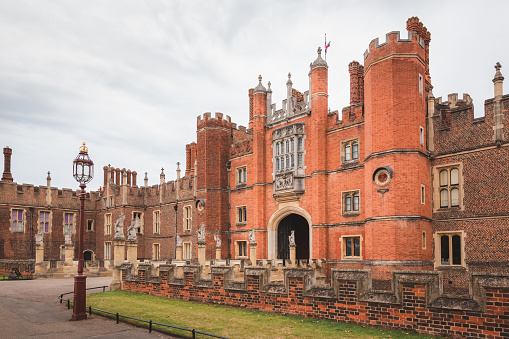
(382, 177)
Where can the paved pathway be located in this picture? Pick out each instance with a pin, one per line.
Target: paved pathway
(30, 308)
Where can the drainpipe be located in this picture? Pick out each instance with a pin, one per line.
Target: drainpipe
(228, 168)
(175, 207)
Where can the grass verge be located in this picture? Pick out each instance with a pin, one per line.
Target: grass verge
(231, 322)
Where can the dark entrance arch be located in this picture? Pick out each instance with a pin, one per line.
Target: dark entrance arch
(298, 224)
(87, 255)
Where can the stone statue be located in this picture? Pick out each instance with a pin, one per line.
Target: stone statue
(131, 230)
(39, 239)
(218, 240)
(291, 238)
(179, 241)
(252, 240)
(68, 239)
(119, 227)
(201, 233)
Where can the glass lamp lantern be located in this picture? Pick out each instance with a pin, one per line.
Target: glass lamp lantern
(83, 167)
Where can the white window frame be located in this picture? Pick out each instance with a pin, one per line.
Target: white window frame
(238, 250)
(156, 222)
(241, 175)
(156, 251)
(107, 250)
(437, 191)
(343, 239)
(421, 135)
(23, 220)
(107, 223)
(347, 151)
(187, 218)
(187, 251)
(73, 224)
(40, 222)
(438, 248)
(93, 225)
(352, 210)
(241, 217)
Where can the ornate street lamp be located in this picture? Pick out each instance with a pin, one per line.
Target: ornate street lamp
(83, 172)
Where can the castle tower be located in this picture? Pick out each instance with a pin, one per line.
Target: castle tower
(315, 144)
(397, 196)
(213, 150)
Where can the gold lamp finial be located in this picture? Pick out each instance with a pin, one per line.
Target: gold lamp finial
(84, 149)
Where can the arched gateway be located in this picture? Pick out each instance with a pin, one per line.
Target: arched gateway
(279, 228)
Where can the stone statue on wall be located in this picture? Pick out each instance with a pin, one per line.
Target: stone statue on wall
(68, 238)
(131, 230)
(252, 239)
(119, 227)
(218, 240)
(179, 241)
(201, 233)
(291, 238)
(39, 239)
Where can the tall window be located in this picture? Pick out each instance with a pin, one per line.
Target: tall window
(107, 223)
(157, 227)
(421, 135)
(242, 248)
(242, 214)
(187, 251)
(155, 252)
(288, 144)
(451, 249)
(351, 202)
(449, 187)
(241, 175)
(139, 215)
(351, 247)
(68, 222)
(187, 218)
(107, 250)
(90, 225)
(17, 220)
(44, 222)
(350, 150)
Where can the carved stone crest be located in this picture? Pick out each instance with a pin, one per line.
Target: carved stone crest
(201, 233)
(284, 182)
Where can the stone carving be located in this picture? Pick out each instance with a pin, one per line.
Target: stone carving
(131, 230)
(68, 239)
(291, 238)
(284, 182)
(201, 233)
(252, 240)
(39, 239)
(119, 227)
(179, 241)
(218, 241)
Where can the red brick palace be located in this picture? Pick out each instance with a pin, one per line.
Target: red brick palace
(397, 180)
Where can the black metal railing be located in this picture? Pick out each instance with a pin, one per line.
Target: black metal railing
(121, 317)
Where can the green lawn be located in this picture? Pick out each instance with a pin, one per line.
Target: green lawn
(231, 322)
(6, 277)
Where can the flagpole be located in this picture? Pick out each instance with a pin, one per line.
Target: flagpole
(325, 46)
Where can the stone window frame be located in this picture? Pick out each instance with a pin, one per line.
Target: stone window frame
(438, 248)
(241, 175)
(421, 83)
(91, 228)
(187, 218)
(112, 201)
(108, 226)
(156, 251)
(23, 220)
(351, 194)
(343, 239)
(73, 224)
(347, 148)
(141, 228)
(238, 249)
(421, 135)
(107, 250)
(40, 227)
(187, 250)
(423, 194)
(424, 240)
(156, 222)
(241, 215)
(437, 188)
(286, 150)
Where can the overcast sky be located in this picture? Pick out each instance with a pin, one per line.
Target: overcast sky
(130, 77)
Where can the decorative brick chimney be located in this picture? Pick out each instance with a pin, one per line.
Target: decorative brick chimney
(7, 176)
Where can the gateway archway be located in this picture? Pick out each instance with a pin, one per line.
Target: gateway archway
(299, 224)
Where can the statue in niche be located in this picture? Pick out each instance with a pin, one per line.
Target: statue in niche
(291, 238)
(131, 230)
(218, 240)
(119, 227)
(201, 233)
(39, 238)
(252, 240)
(179, 241)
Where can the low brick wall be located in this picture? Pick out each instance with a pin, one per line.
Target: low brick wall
(416, 302)
(25, 267)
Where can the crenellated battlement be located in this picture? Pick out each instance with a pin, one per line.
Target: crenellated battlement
(393, 37)
(454, 102)
(217, 121)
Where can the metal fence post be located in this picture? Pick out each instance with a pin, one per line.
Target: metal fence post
(117, 318)
(150, 326)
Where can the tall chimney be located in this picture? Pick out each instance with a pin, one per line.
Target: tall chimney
(7, 176)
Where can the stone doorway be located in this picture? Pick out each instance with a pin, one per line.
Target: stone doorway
(298, 224)
(87, 255)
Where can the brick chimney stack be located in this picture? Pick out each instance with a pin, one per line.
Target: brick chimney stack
(356, 71)
(7, 176)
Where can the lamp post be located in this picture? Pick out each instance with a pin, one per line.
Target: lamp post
(83, 172)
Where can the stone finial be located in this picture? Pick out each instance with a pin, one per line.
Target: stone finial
(269, 89)
(319, 62)
(178, 170)
(498, 80)
(260, 88)
(146, 179)
(289, 82)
